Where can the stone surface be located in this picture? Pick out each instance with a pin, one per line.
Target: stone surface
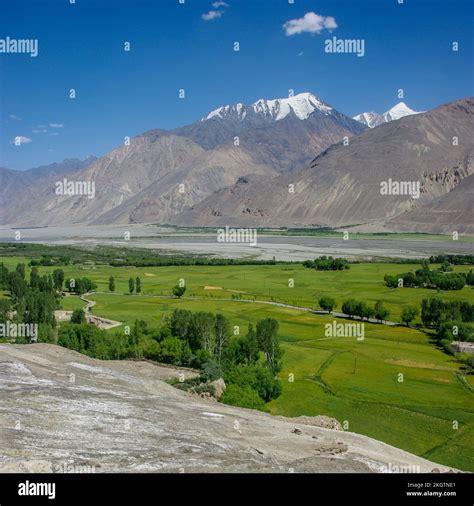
(60, 410)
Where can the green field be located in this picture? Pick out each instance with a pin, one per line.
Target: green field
(356, 382)
(267, 282)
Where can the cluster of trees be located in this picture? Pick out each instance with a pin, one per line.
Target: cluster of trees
(453, 322)
(80, 285)
(132, 285)
(325, 263)
(154, 261)
(455, 331)
(435, 311)
(32, 300)
(430, 279)
(453, 259)
(362, 310)
(248, 363)
(353, 307)
(49, 261)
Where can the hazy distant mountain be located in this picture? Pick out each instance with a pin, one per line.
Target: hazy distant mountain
(18, 187)
(342, 186)
(66, 166)
(164, 172)
(373, 119)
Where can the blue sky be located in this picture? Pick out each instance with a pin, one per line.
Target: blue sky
(121, 93)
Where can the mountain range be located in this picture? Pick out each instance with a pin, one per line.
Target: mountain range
(295, 161)
(163, 172)
(373, 119)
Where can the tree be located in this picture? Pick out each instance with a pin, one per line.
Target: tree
(58, 279)
(180, 323)
(380, 311)
(131, 285)
(202, 332)
(327, 303)
(18, 286)
(409, 313)
(5, 309)
(138, 285)
(250, 345)
(175, 351)
(445, 267)
(34, 277)
(20, 268)
(391, 281)
(222, 329)
(267, 338)
(349, 307)
(470, 278)
(111, 284)
(178, 291)
(78, 316)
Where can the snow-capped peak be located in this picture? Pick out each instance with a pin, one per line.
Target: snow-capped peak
(237, 110)
(302, 105)
(373, 119)
(399, 111)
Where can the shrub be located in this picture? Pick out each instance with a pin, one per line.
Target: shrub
(78, 316)
(257, 377)
(245, 397)
(211, 370)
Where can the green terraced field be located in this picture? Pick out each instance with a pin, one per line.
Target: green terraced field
(356, 382)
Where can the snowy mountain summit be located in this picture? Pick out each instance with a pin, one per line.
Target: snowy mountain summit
(373, 119)
(302, 106)
(398, 111)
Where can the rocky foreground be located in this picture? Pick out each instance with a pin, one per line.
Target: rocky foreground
(61, 411)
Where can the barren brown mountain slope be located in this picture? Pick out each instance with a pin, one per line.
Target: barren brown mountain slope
(342, 186)
(161, 173)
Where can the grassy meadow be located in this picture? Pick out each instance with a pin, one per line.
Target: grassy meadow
(395, 385)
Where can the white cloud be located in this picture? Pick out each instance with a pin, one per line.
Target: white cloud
(14, 116)
(211, 15)
(54, 133)
(56, 125)
(214, 14)
(19, 139)
(39, 131)
(311, 23)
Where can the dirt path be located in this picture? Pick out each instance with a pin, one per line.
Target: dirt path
(99, 321)
(252, 301)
